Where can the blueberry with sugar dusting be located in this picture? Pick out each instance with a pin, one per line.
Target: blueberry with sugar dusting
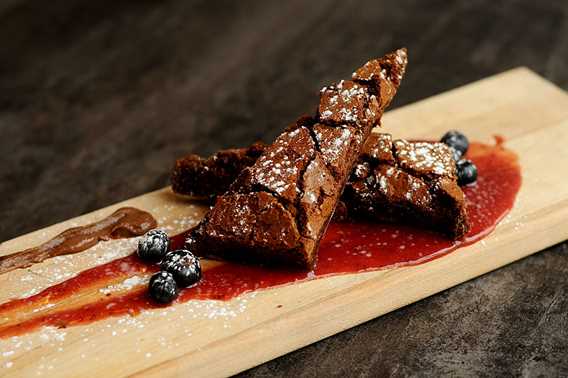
(163, 287)
(153, 246)
(184, 266)
(467, 172)
(456, 155)
(457, 141)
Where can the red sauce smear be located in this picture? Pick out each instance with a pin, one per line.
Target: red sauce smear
(346, 248)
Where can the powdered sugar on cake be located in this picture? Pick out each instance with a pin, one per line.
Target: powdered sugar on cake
(425, 158)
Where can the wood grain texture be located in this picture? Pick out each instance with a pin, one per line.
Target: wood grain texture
(279, 320)
(98, 98)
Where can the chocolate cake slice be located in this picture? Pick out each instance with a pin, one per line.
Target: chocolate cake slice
(200, 178)
(278, 209)
(400, 181)
(407, 182)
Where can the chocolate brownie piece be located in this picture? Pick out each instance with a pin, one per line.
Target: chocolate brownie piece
(201, 178)
(393, 181)
(411, 182)
(278, 209)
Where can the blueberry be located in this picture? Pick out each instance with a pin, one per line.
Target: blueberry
(184, 266)
(456, 154)
(457, 141)
(467, 172)
(163, 287)
(153, 246)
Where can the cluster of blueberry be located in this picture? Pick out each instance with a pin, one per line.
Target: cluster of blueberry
(467, 171)
(179, 268)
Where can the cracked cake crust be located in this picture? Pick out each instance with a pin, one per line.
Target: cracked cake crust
(413, 182)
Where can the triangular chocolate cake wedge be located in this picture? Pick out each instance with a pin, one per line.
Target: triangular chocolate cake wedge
(278, 209)
(393, 181)
(407, 182)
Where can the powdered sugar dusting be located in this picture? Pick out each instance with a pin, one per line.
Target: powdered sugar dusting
(278, 168)
(127, 284)
(53, 347)
(26, 282)
(345, 102)
(426, 158)
(334, 142)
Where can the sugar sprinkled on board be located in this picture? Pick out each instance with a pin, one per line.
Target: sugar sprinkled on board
(61, 268)
(23, 283)
(51, 341)
(127, 284)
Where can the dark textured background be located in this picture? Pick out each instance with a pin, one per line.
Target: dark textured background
(97, 98)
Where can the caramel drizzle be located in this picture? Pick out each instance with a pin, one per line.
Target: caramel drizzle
(125, 222)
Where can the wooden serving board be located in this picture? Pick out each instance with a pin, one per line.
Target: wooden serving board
(208, 338)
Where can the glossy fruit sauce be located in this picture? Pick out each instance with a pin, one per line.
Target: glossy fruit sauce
(346, 248)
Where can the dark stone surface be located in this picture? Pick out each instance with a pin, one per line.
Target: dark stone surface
(97, 98)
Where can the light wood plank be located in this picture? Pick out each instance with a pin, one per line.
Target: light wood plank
(251, 329)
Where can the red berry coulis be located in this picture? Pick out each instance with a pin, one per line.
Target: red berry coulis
(346, 248)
